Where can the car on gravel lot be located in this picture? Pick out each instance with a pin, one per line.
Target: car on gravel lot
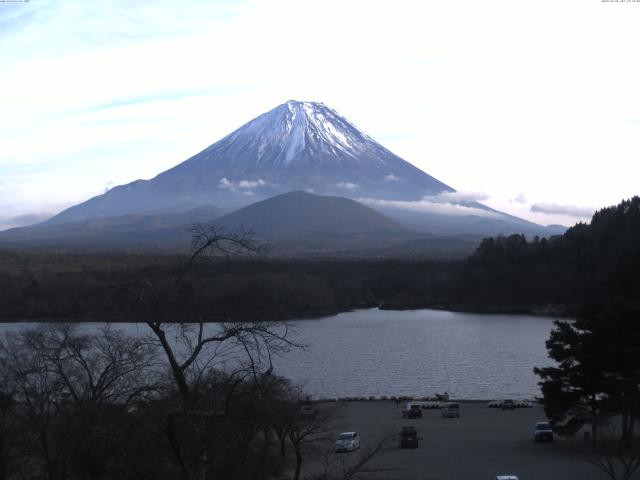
(412, 410)
(347, 442)
(542, 432)
(409, 437)
(508, 405)
(506, 477)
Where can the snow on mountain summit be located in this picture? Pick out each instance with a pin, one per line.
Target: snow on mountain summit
(285, 133)
(309, 146)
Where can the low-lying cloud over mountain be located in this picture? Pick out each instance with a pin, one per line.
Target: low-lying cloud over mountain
(245, 185)
(443, 203)
(569, 210)
(431, 204)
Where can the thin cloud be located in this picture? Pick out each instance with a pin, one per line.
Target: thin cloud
(251, 183)
(391, 178)
(158, 97)
(428, 206)
(454, 197)
(347, 185)
(521, 198)
(557, 209)
(227, 184)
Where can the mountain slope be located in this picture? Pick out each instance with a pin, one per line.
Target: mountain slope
(126, 231)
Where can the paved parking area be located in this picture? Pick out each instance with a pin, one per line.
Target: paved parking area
(482, 443)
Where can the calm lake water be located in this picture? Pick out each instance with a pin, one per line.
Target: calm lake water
(420, 352)
(417, 352)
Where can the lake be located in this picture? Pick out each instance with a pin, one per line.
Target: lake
(412, 352)
(420, 352)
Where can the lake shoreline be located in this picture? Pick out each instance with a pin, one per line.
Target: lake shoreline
(558, 311)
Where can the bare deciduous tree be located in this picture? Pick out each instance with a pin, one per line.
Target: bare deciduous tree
(192, 347)
(617, 459)
(305, 430)
(69, 387)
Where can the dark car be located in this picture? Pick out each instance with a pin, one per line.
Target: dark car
(408, 437)
(508, 405)
(543, 432)
(412, 411)
(451, 410)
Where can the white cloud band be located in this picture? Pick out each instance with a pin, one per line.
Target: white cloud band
(569, 210)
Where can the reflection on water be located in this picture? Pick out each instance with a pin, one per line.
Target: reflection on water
(418, 352)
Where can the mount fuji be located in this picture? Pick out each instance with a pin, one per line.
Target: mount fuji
(301, 146)
(296, 147)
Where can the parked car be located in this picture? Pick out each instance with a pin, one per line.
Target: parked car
(412, 410)
(508, 404)
(506, 477)
(542, 432)
(451, 410)
(409, 437)
(494, 404)
(347, 442)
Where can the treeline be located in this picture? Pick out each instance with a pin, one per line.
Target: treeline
(63, 286)
(597, 262)
(590, 263)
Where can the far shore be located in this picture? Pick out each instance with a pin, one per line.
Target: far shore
(401, 399)
(558, 311)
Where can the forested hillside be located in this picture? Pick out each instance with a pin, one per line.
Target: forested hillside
(596, 262)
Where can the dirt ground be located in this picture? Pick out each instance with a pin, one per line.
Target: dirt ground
(482, 443)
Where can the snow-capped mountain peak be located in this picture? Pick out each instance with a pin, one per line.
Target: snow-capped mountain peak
(282, 135)
(298, 145)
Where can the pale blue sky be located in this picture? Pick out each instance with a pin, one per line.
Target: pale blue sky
(533, 106)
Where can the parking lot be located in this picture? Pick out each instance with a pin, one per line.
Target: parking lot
(482, 443)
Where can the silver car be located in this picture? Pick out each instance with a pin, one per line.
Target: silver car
(347, 442)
